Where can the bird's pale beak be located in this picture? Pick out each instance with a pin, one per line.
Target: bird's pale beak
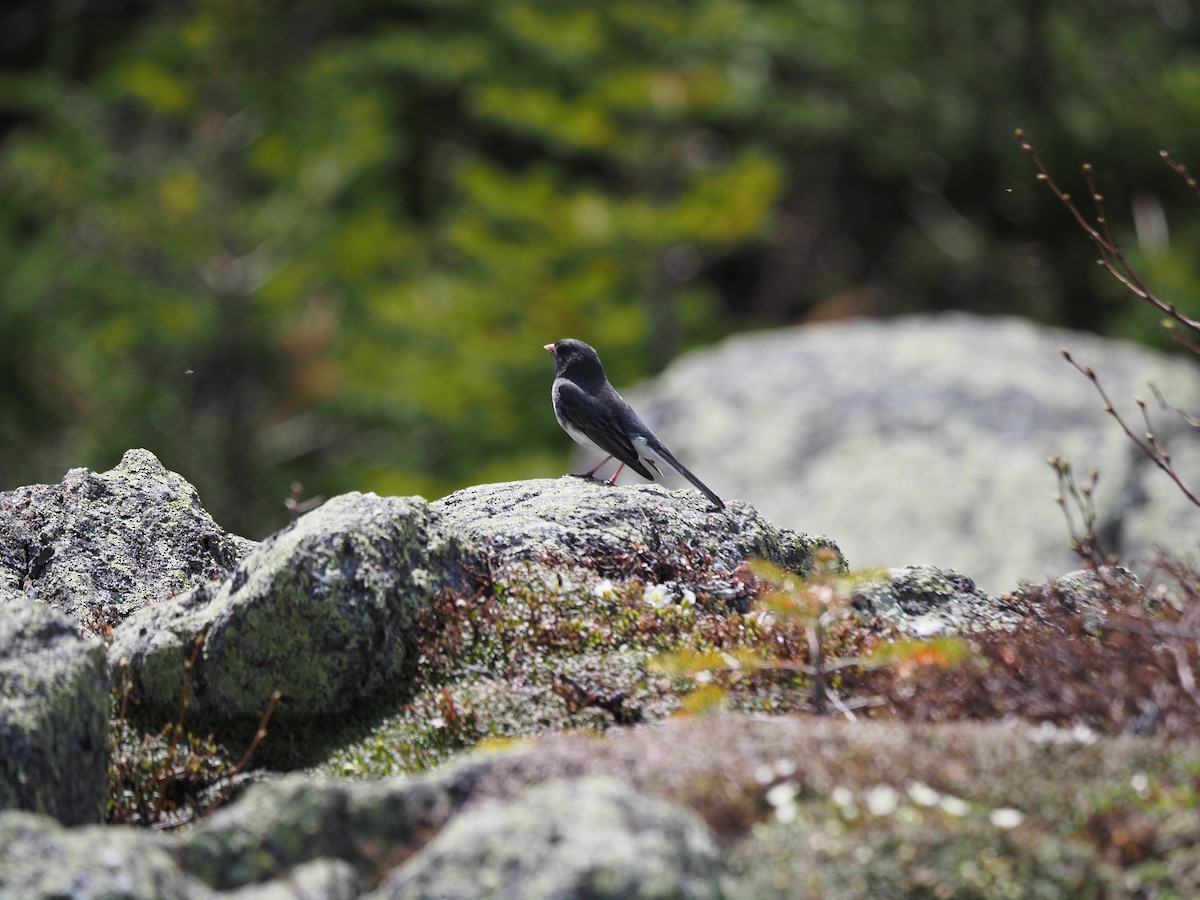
(549, 348)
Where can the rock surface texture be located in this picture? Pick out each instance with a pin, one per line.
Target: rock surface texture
(586, 837)
(629, 531)
(99, 546)
(924, 440)
(318, 612)
(54, 713)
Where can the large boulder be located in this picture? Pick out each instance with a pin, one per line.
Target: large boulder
(320, 611)
(54, 715)
(924, 440)
(99, 546)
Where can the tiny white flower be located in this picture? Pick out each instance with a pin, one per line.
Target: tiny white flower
(1084, 735)
(1140, 784)
(782, 798)
(923, 794)
(783, 793)
(954, 806)
(1006, 817)
(882, 800)
(761, 619)
(437, 722)
(1043, 733)
(841, 797)
(656, 596)
(688, 598)
(764, 774)
(603, 590)
(926, 626)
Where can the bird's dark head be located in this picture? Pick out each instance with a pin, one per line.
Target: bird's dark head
(576, 360)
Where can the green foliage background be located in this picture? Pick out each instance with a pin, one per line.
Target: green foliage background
(277, 241)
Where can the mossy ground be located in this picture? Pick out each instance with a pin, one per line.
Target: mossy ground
(536, 656)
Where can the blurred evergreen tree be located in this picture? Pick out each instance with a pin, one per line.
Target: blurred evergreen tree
(277, 241)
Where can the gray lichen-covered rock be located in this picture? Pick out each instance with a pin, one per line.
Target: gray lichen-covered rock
(320, 611)
(54, 715)
(39, 858)
(294, 821)
(1096, 590)
(584, 838)
(639, 530)
(99, 546)
(321, 879)
(924, 601)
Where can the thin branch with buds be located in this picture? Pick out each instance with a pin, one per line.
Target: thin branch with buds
(1081, 499)
(1147, 442)
(1182, 171)
(1112, 257)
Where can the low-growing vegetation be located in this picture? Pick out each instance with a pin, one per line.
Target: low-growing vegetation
(171, 777)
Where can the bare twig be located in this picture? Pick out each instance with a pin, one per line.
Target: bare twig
(1071, 496)
(1181, 170)
(259, 734)
(1112, 257)
(579, 696)
(1192, 421)
(1147, 442)
(813, 633)
(166, 773)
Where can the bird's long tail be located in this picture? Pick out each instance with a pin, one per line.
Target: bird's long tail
(679, 467)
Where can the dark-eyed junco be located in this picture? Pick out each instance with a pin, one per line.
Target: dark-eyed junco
(592, 412)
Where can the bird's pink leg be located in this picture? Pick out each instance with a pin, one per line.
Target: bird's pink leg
(592, 471)
(613, 480)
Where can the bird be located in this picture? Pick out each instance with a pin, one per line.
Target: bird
(591, 411)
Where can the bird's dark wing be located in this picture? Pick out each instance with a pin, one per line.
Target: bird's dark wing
(600, 422)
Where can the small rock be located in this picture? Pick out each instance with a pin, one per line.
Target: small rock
(588, 838)
(287, 823)
(924, 601)
(39, 858)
